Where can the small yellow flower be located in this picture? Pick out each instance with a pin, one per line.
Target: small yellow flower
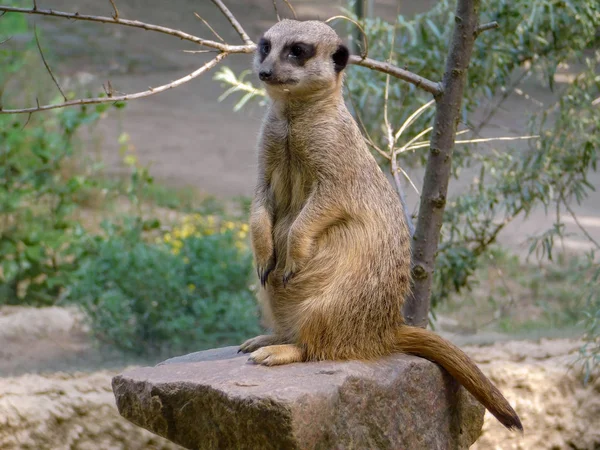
(229, 225)
(242, 235)
(177, 244)
(176, 251)
(168, 237)
(191, 287)
(211, 220)
(130, 160)
(245, 228)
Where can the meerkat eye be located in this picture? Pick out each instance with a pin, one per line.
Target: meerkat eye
(296, 51)
(264, 47)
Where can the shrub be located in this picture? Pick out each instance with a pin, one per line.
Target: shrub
(188, 290)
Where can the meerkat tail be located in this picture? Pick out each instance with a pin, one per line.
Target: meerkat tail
(428, 345)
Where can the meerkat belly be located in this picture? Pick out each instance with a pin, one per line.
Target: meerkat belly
(290, 188)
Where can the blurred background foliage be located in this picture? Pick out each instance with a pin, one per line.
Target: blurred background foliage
(150, 283)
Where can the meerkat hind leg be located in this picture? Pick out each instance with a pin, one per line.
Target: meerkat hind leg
(275, 355)
(260, 341)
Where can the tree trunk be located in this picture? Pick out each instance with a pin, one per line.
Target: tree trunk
(438, 168)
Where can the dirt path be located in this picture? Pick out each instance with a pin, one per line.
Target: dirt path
(189, 137)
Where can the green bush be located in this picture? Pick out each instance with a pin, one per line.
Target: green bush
(187, 291)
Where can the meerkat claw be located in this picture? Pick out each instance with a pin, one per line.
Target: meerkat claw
(287, 277)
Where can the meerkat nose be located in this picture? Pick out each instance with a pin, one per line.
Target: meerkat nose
(265, 75)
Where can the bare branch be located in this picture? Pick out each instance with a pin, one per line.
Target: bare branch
(276, 11)
(248, 48)
(395, 170)
(486, 26)
(365, 51)
(287, 2)
(91, 101)
(581, 227)
(427, 85)
(27, 121)
(116, 14)
(234, 23)
(201, 51)
(34, 4)
(209, 27)
(37, 41)
(6, 40)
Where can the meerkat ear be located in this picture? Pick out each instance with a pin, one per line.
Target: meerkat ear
(340, 58)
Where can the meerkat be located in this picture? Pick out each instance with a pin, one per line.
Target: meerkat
(331, 245)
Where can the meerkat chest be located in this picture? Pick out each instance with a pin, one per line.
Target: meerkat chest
(290, 175)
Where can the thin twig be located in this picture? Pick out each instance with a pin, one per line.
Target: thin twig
(395, 168)
(407, 216)
(288, 3)
(34, 4)
(412, 141)
(485, 27)
(581, 227)
(365, 51)
(37, 41)
(414, 116)
(432, 87)
(209, 27)
(276, 11)
(116, 14)
(248, 48)
(27, 121)
(6, 40)
(233, 21)
(201, 51)
(400, 169)
(91, 101)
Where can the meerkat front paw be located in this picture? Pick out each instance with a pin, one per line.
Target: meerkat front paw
(264, 269)
(290, 270)
(275, 355)
(257, 342)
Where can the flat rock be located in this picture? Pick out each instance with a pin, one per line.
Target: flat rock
(216, 399)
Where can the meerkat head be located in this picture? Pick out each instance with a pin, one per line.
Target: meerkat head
(296, 58)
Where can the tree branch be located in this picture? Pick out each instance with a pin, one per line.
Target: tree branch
(486, 26)
(209, 27)
(427, 85)
(438, 168)
(37, 41)
(112, 99)
(222, 47)
(234, 23)
(248, 48)
(116, 14)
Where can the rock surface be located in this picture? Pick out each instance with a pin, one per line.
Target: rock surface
(217, 400)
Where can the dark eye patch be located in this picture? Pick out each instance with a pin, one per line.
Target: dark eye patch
(299, 52)
(264, 47)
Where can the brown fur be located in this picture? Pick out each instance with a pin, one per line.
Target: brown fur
(328, 232)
